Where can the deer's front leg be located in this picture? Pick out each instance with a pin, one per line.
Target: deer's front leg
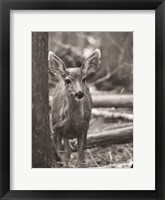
(81, 148)
(67, 150)
(59, 142)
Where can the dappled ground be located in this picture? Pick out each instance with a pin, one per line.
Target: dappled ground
(114, 156)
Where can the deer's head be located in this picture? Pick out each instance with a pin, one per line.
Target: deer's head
(74, 78)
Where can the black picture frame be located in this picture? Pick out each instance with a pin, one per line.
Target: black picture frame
(5, 7)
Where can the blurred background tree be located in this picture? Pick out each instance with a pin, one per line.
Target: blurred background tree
(116, 68)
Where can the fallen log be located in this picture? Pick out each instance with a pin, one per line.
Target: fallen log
(122, 135)
(111, 115)
(107, 100)
(110, 128)
(106, 138)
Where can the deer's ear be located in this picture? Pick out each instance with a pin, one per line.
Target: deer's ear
(56, 65)
(91, 63)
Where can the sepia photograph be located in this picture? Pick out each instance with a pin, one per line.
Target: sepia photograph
(82, 100)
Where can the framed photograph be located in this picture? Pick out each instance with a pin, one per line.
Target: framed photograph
(82, 99)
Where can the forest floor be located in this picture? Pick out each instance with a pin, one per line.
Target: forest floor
(109, 156)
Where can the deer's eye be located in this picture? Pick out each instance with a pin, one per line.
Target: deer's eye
(67, 81)
(83, 80)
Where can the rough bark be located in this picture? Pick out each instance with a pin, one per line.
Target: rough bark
(43, 150)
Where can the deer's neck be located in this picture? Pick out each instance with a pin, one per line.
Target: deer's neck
(74, 108)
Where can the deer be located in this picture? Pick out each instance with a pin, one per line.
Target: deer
(72, 103)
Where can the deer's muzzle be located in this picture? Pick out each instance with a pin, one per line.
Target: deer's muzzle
(79, 95)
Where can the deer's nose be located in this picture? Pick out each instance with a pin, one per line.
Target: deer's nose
(79, 95)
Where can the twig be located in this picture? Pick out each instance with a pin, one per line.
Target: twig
(108, 75)
(129, 73)
(110, 156)
(124, 63)
(103, 79)
(92, 158)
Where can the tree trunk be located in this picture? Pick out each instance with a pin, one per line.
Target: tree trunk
(43, 150)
